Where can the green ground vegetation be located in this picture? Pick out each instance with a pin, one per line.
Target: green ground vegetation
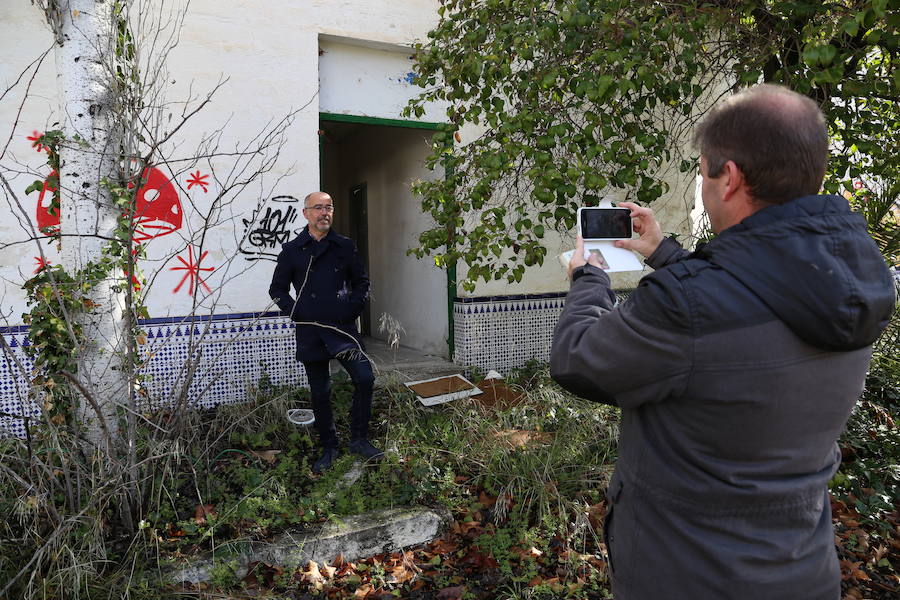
(523, 474)
(521, 477)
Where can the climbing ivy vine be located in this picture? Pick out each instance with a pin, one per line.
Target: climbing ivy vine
(59, 300)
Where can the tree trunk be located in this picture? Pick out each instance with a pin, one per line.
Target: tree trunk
(91, 152)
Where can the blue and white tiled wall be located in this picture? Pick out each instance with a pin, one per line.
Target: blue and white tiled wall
(504, 332)
(15, 368)
(234, 351)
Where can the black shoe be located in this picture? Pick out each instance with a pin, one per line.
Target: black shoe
(329, 455)
(364, 448)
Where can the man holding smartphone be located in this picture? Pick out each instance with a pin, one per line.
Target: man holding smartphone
(735, 366)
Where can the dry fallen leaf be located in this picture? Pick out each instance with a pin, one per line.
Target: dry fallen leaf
(852, 570)
(452, 593)
(327, 571)
(443, 546)
(312, 575)
(202, 511)
(596, 513)
(485, 500)
(401, 574)
(465, 527)
(266, 455)
(518, 438)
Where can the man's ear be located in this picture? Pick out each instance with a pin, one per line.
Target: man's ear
(734, 181)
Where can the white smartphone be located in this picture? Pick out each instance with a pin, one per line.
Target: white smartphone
(604, 223)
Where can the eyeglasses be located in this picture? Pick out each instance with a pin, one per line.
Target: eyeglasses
(321, 208)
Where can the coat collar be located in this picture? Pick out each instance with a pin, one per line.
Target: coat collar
(304, 237)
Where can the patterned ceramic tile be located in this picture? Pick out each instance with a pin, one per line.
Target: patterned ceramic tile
(229, 353)
(226, 354)
(504, 332)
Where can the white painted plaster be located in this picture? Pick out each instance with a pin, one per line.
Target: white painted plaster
(372, 82)
(270, 58)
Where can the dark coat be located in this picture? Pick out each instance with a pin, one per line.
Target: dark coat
(331, 286)
(736, 368)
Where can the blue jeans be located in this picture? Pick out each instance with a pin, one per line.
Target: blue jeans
(360, 370)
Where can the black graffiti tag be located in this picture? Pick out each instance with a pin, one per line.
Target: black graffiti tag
(272, 228)
(269, 228)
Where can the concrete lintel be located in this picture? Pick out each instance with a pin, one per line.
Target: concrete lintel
(386, 46)
(355, 537)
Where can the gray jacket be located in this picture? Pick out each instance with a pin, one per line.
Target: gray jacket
(736, 368)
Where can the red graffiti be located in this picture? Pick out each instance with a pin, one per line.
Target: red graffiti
(157, 210)
(47, 215)
(35, 138)
(157, 207)
(198, 179)
(41, 264)
(192, 272)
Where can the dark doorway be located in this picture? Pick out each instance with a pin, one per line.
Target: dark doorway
(369, 165)
(358, 211)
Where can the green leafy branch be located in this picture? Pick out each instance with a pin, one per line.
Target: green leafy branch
(578, 99)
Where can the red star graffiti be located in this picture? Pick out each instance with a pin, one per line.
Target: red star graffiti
(198, 179)
(192, 272)
(40, 264)
(135, 282)
(34, 138)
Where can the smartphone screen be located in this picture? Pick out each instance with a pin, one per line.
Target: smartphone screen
(605, 223)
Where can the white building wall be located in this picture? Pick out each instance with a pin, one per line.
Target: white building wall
(269, 55)
(373, 80)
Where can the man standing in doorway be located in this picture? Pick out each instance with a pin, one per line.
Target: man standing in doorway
(735, 366)
(332, 287)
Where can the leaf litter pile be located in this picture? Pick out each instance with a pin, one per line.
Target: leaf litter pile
(458, 564)
(868, 562)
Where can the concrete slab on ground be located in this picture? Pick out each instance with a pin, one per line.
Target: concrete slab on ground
(402, 364)
(355, 537)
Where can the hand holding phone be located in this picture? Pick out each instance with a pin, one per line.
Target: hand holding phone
(601, 230)
(646, 226)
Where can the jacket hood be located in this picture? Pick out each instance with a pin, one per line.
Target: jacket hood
(813, 263)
